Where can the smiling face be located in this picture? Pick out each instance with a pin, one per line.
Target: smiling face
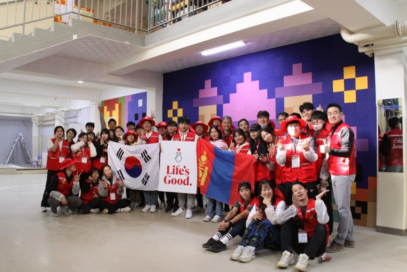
(239, 139)
(263, 121)
(334, 115)
(147, 126)
(70, 134)
(172, 129)
(107, 172)
(226, 124)
(95, 176)
(267, 137)
(266, 191)
(254, 134)
(162, 130)
(300, 192)
(183, 127)
(130, 138)
(216, 122)
(59, 133)
(199, 129)
(84, 138)
(243, 125)
(118, 132)
(281, 118)
(91, 137)
(306, 115)
(214, 134)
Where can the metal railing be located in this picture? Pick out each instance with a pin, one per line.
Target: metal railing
(143, 16)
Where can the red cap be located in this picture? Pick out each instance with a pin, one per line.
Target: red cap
(147, 118)
(66, 163)
(290, 119)
(129, 132)
(161, 124)
(199, 123)
(210, 123)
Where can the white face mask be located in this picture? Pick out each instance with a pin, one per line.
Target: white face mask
(317, 127)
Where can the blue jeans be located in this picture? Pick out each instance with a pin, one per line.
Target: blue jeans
(151, 197)
(210, 207)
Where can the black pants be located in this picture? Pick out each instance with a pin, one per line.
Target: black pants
(238, 229)
(93, 204)
(44, 201)
(161, 196)
(316, 244)
(327, 198)
(310, 186)
(172, 199)
(199, 198)
(112, 208)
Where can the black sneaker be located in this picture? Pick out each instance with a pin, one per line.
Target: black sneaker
(208, 244)
(218, 246)
(168, 209)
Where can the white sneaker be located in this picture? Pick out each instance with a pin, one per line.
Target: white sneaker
(54, 214)
(248, 254)
(124, 210)
(207, 218)
(95, 211)
(153, 209)
(286, 260)
(105, 211)
(188, 214)
(216, 219)
(43, 209)
(236, 254)
(178, 212)
(65, 210)
(302, 263)
(146, 208)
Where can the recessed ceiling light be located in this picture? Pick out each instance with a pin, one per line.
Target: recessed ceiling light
(223, 48)
(80, 81)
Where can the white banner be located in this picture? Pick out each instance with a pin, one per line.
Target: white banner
(178, 170)
(137, 166)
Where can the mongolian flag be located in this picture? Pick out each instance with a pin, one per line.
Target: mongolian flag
(220, 172)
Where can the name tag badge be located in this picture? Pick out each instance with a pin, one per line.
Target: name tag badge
(84, 160)
(295, 161)
(302, 237)
(112, 196)
(61, 159)
(102, 159)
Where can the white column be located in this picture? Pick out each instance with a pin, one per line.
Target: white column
(35, 139)
(390, 73)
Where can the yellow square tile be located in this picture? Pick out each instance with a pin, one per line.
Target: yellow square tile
(170, 114)
(350, 96)
(175, 105)
(353, 190)
(361, 83)
(349, 72)
(175, 119)
(338, 85)
(180, 112)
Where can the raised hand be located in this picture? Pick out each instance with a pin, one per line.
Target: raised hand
(280, 145)
(318, 197)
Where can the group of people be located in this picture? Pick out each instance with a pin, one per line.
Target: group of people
(289, 208)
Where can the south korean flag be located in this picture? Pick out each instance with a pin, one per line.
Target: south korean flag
(137, 166)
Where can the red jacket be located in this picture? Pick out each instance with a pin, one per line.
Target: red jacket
(54, 159)
(310, 219)
(64, 187)
(319, 140)
(190, 137)
(154, 138)
(254, 201)
(112, 188)
(82, 155)
(341, 166)
(395, 155)
(88, 196)
(306, 172)
(244, 148)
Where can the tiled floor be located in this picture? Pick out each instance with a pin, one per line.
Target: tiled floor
(35, 241)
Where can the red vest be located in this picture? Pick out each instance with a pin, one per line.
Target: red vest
(306, 172)
(83, 152)
(244, 148)
(166, 138)
(154, 138)
(341, 166)
(205, 137)
(111, 189)
(310, 219)
(88, 197)
(227, 138)
(64, 187)
(254, 201)
(319, 140)
(190, 137)
(53, 162)
(395, 156)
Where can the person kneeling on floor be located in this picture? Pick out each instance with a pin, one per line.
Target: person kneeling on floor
(89, 193)
(304, 228)
(235, 221)
(63, 189)
(110, 190)
(262, 231)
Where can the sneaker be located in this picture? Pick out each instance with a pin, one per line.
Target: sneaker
(302, 263)
(350, 244)
(286, 260)
(175, 208)
(209, 243)
(124, 210)
(216, 219)
(95, 211)
(188, 214)
(248, 254)
(153, 209)
(134, 205)
(161, 206)
(168, 209)
(146, 208)
(54, 214)
(236, 254)
(207, 218)
(43, 209)
(334, 247)
(218, 246)
(65, 210)
(178, 212)
(105, 211)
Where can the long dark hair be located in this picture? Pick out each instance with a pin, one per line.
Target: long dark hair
(217, 130)
(248, 130)
(246, 185)
(239, 131)
(116, 139)
(262, 207)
